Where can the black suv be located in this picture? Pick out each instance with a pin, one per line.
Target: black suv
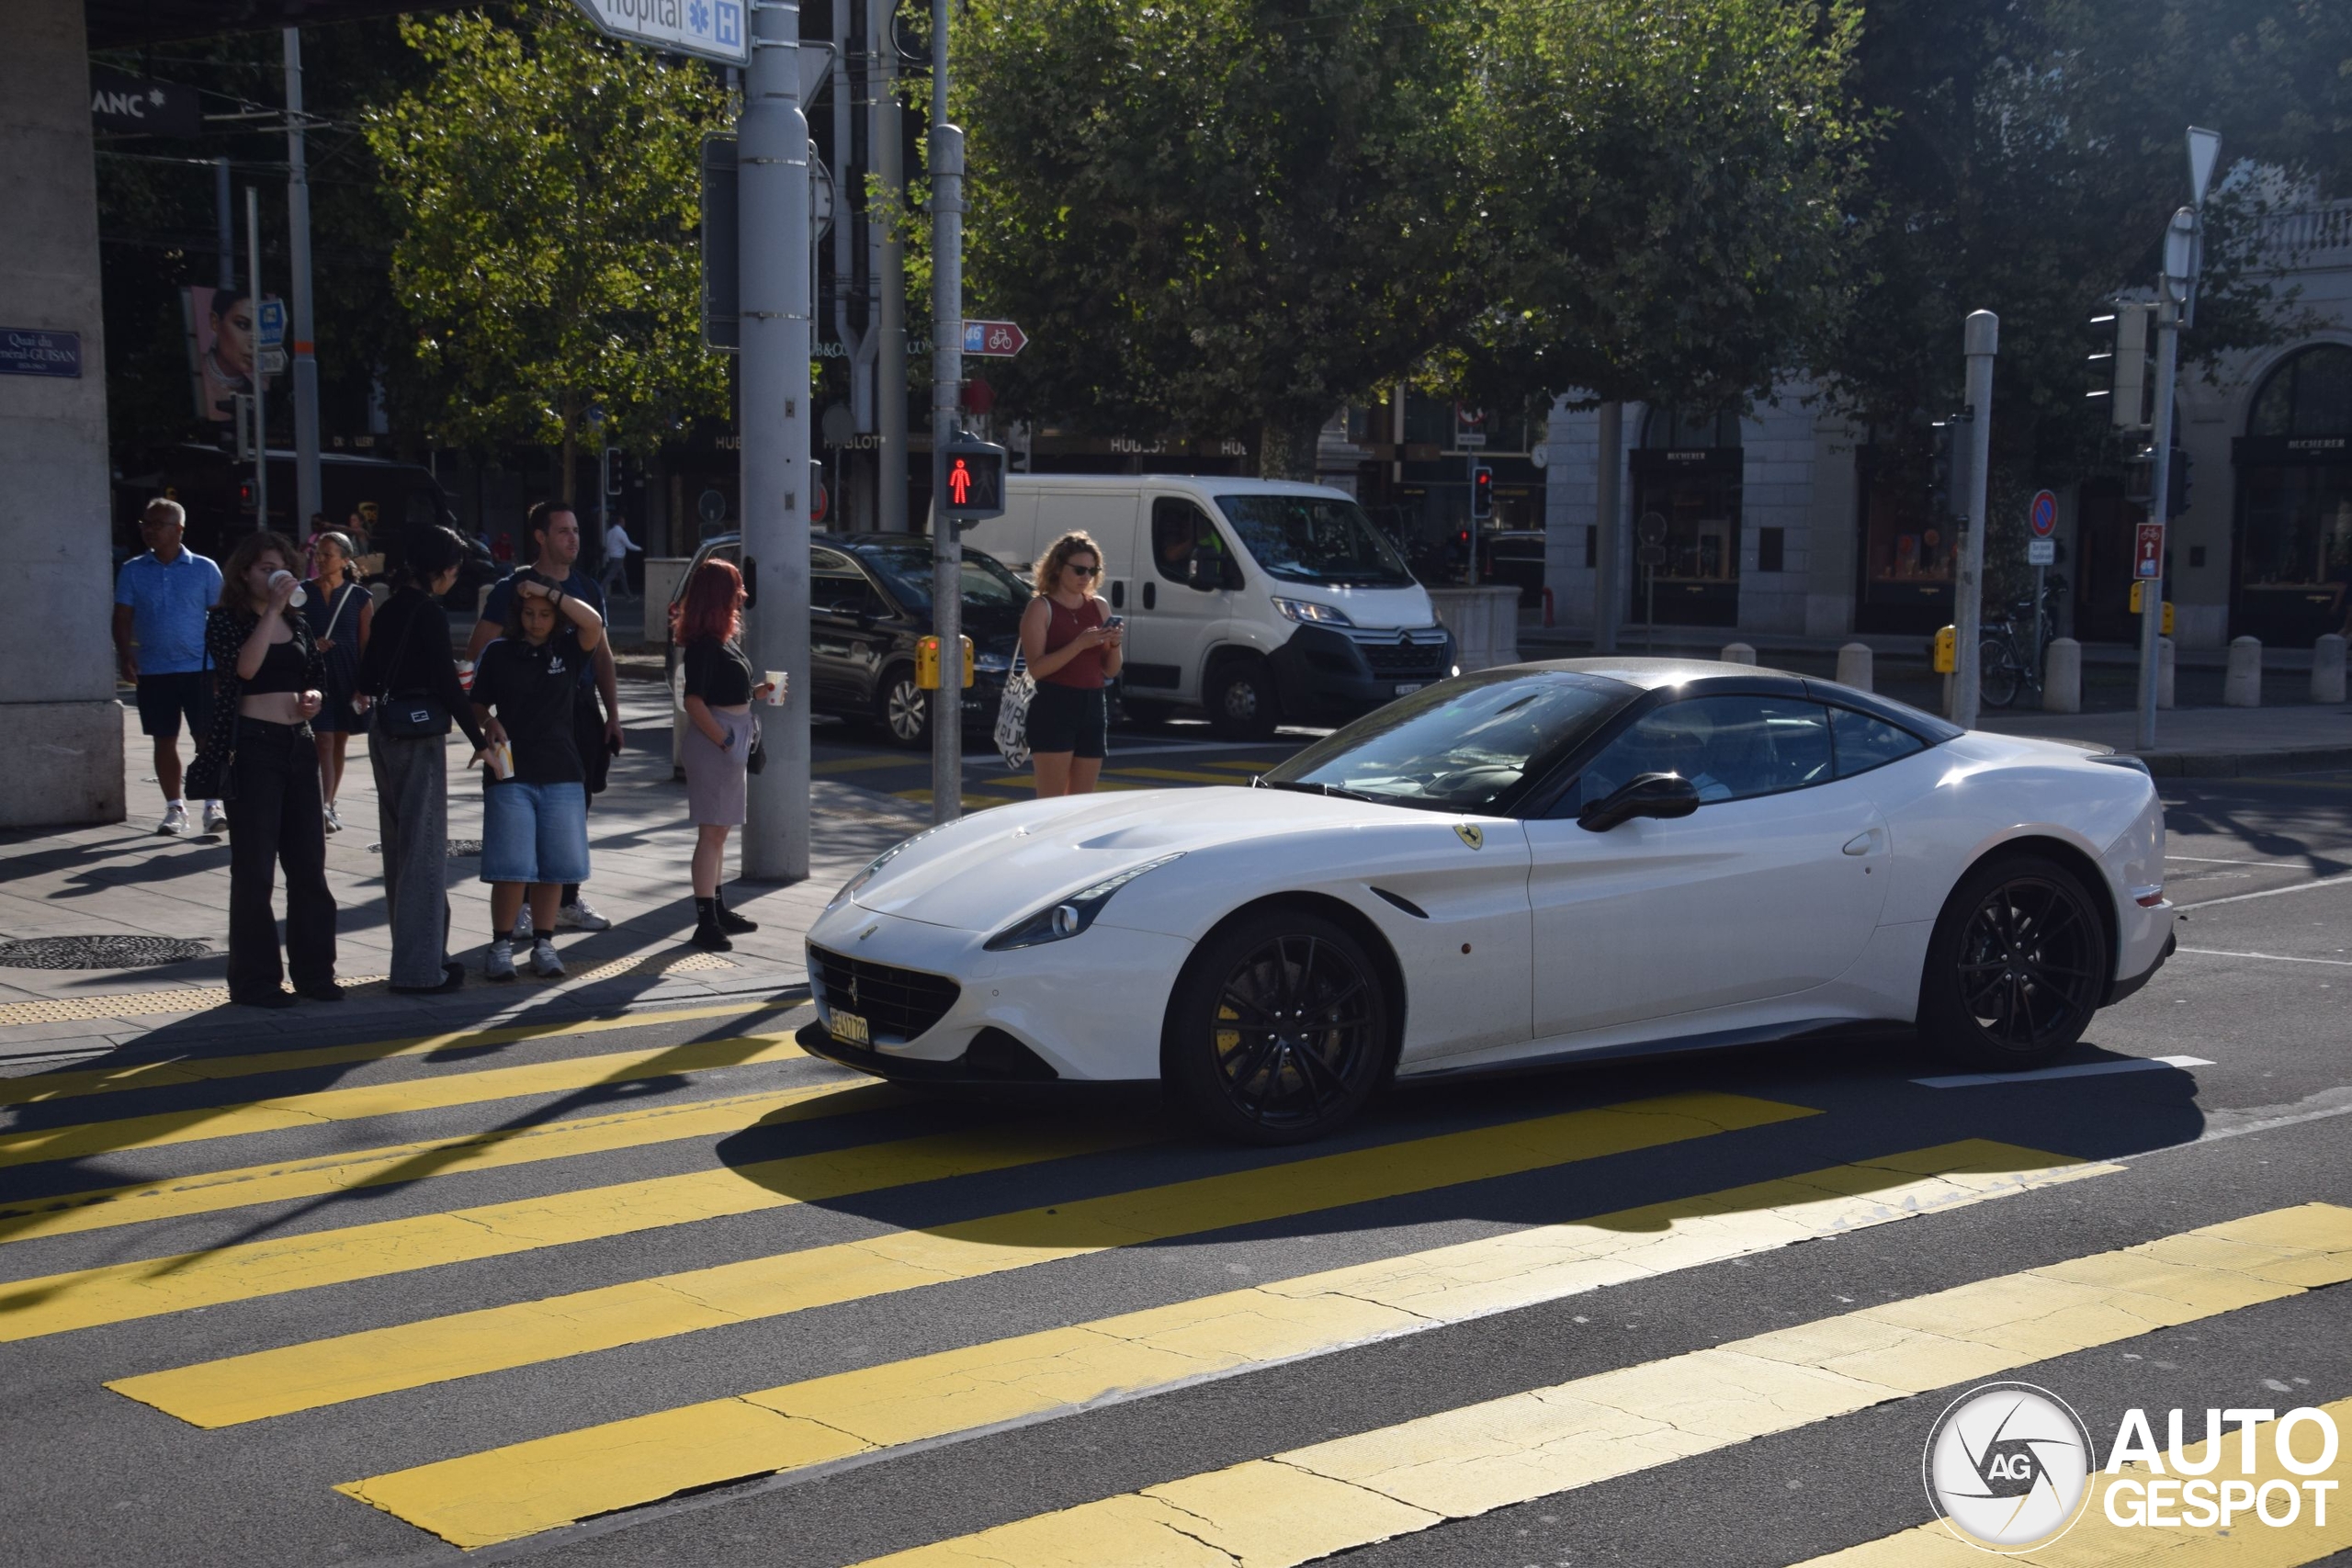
(869, 603)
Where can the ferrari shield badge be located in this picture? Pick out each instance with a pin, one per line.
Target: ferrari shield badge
(1471, 834)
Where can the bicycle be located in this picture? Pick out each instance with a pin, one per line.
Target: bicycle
(2003, 666)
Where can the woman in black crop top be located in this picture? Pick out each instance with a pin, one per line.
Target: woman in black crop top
(260, 757)
(720, 734)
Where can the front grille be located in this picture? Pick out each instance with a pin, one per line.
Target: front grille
(898, 1004)
(1397, 657)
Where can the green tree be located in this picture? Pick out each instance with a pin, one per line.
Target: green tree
(1665, 215)
(1226, 215)
(545, 185)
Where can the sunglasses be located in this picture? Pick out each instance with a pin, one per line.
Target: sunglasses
(1085, 571)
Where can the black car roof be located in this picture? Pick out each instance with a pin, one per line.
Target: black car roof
(1694, 677)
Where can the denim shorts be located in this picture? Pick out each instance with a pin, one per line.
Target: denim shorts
(534, 832)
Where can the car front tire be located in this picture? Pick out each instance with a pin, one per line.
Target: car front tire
(1279, 1030)
(2019, 963)
(1241, 699)
(902, 709)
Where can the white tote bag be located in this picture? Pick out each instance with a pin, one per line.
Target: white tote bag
(1012, 713)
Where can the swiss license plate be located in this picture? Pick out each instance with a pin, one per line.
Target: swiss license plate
(849, 1029)
(1404, 686)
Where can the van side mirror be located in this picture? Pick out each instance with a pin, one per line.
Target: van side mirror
(1645, 795)
(1207, 573)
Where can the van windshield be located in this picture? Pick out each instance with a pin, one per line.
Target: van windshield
(1314, 538)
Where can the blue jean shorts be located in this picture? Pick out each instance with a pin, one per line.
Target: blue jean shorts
(535, 832)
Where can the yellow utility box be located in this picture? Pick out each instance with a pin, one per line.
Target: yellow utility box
(2135, 607)
(927, 662)
(1947, 651)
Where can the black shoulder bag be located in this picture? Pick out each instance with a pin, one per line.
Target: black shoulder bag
(411, 715)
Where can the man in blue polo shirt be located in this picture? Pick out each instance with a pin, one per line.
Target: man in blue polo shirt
(160, 599)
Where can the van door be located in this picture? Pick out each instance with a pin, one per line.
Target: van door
(1173, 622)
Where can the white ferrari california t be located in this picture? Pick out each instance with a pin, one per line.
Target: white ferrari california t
(1542, 862)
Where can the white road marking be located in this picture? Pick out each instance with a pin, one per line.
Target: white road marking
(2079, 1070)
(2274, 957)
(2216, 860)
(2270, 892)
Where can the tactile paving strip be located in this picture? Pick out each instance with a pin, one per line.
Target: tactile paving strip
(197, 998)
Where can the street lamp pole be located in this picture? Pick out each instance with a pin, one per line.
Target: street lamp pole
(1982, 341)
(946, 381)
(2173, 293)
(772, 180)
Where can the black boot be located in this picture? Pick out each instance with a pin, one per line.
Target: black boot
(728, 920)
(707, 934)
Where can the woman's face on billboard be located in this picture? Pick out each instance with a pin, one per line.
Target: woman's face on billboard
(232, 339)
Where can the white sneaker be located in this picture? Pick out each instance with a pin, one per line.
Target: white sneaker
(521, 936)
(175, 822)
(216, 818)
(334, 823)
(544, 963)
(500, 965)
(582, 916)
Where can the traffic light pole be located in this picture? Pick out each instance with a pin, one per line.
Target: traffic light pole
(2151, 590)
(1981, 341)
(300, 355)
(771, 181)
(946, 381)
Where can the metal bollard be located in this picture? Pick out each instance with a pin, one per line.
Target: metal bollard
(1738, 653)
(1854, 666)
(2327, 669)
(2163, 672)
(2062, 676)
(2241, 687)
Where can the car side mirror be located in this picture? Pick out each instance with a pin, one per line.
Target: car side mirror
(1646, 795)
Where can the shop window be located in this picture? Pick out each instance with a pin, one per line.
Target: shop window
(1687, 476)
(2293, 561)
(2309, 394)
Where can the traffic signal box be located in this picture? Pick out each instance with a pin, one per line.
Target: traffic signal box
(2166, 628)
(1482, 493)
(1948, 457)
(974, 489)
(2120, 364)
(1947, 651)
(927, 662)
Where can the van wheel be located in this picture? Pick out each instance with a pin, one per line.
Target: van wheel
(1241, 701)
(901, 708)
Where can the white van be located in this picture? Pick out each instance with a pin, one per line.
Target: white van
(1256, 599)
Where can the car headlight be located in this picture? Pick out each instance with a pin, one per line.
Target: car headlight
(874, 866)
(1065, 917)
(1307, 610)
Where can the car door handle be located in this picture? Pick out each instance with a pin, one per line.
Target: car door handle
(1863, 842)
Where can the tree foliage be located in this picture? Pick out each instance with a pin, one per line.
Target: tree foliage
(545, 184)
(1226, 215)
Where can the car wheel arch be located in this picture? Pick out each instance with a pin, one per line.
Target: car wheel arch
(1339, 912)
(2076, 859)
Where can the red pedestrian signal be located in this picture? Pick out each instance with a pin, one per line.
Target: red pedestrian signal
(972, 487)
(959, 482)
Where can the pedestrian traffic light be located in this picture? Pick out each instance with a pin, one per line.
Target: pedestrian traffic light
(613, 457)
(975, 481)
(1482, 493)
(1948, 456)
(2119, 364)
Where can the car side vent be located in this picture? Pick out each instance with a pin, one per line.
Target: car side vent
(1404, 903)
(993, 1054)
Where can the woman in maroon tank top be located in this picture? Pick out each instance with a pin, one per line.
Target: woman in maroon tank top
(1072, 648)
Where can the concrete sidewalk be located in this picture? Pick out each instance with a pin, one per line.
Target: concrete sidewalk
(126, 880)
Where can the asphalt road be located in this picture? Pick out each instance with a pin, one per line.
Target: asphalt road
(444, 1256)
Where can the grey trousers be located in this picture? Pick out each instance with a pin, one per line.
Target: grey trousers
(413, 810)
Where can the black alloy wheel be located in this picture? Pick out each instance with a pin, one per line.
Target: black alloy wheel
(1240, 700)
(901, 708)
(2018, 965)
(1280, 1029)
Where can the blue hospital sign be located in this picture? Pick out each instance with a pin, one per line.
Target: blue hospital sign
(710, 30)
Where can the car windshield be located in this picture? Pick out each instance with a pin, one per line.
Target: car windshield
(1472, 744)
(907, 569)
(1314, 538)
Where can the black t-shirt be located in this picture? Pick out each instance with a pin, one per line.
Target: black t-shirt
(532, 691)
(718, 673)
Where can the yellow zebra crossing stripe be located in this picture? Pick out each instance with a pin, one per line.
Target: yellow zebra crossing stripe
(2095, 1543)
(303, 1377)
(1310, 1503)
(116, 1293)
(361, 1101)
(536, 1485)
(37, 1089)
(214, 1191)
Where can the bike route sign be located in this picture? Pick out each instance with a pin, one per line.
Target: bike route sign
(2042, 515)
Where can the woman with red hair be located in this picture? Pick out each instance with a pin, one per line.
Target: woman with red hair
(720, 734)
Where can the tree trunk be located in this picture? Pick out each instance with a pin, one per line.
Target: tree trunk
(1287, 451)
(571, 477)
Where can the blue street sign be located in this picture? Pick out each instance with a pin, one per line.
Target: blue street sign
(26, 350)
(270, 322)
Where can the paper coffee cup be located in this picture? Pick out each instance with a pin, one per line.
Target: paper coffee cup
(775, 688)
(501, 759)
